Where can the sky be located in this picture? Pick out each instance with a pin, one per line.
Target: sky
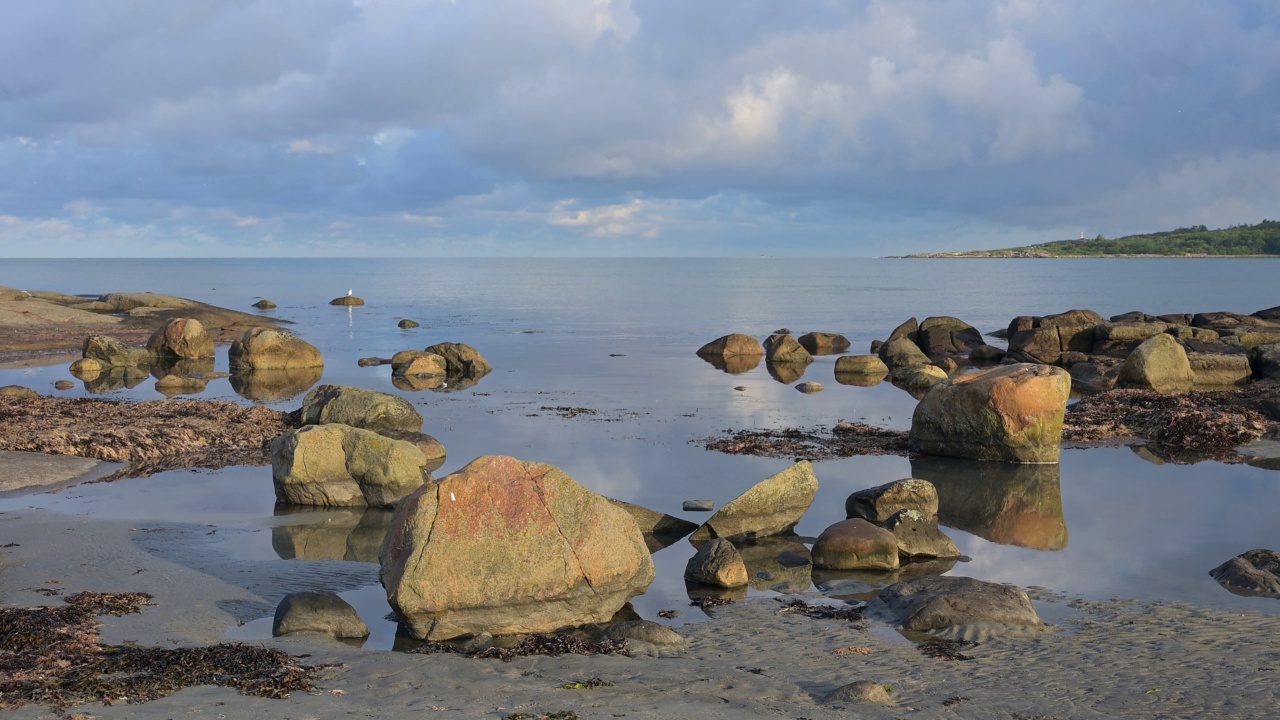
(810, 128)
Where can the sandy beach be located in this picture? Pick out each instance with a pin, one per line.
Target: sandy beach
(1098, 659)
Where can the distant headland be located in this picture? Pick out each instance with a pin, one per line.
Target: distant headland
(1261, 240)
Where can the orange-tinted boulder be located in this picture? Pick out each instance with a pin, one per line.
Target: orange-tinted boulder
(733, 345)
(181, 338)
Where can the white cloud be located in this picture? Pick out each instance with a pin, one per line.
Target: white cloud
(631, 219)
(308, 147)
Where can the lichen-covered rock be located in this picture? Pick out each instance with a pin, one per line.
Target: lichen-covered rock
(1160, 363)
(882, 502)
(1011, 413)
(855, 545)
(822, 343)
(947, 335)
(1219, 368)
(112, 352)
(338, 465)
(1120, 339)
(771, 507)
(264, 304)
(357, 407)
(269, 349)
(317, 612)
(407, 324)
(936, 603)
(919, 536)
(717, 564)
(504, 547)
(901, 353)
(181, 338)
(347, 301)
(419, 364)
(18, 391)
(919, 379)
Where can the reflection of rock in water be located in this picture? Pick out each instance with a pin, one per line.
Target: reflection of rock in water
(786, 373)
(1005, 503)
(275, 385)
(353, 534)
(696, 591)
(863, 584)
(781, 564)
(734, 364)
(198, 367)
(860, 379)
(115, 377)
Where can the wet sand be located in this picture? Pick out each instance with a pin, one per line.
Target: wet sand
(1101, 659)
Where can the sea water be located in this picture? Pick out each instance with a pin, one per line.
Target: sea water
(616, 337)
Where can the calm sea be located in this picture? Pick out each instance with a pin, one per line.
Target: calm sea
(617, 336)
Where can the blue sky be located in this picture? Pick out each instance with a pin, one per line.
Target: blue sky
(628, 127)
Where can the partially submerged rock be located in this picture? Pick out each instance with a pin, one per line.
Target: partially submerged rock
(919, 536)
(771, 507)
(937, 603)
(1254, 573)
(822, 343)
(855, 545)
(112, 352)
(882, 502)
(663, 528)
(317, 612)
(1011, 413)
(357, 407)
(461, 360)
(19, 392)
(785, 350)
(269, 349)
(718, 564)
(347, 301)
(338, 465)
(504, 546)
(861, 365)
(733, 345)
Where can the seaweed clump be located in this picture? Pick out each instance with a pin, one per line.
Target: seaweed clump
(1195, 425)
(537, 644)
(52, 656)
(845, 440)
(796, 606)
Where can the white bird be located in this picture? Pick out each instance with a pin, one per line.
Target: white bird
(348, 293)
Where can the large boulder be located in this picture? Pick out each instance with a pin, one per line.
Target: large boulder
(909, 330)
(1011, 413)
(733, 345)
(855, 545)
(771, 507)
(461, 359)
(114, 353)
(338, 465)
(947, 335)
(1256, 572)
(717, 564)
(357, 407)
(785, 350)
(504, 546)
(821, 343)
(882, 502)
(269, 349)
(1036, 345)
(1160, 363)
(317, 612)
(181, 338)
(937, 603)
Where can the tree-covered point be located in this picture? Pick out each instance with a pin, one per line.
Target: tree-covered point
(1260, 239)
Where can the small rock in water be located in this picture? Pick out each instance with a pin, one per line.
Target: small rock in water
(264, 304)
(373, 361)
(347, 300)
(698, 505)
(64, 385)
(782, 331)
(809, 387)
(406, 324)
(741, 388)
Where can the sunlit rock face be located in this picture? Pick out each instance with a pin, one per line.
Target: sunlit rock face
(505, 547)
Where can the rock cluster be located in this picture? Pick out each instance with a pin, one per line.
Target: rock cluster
(886, 525)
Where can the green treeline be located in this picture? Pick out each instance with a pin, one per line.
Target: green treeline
(1260, 239)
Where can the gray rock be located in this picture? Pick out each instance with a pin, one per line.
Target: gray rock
(645, 631)
(785, 350)
(700, 505)
(1254, 573)
(810, 387)
(319, 612)
(862, 691)
(947, 335)
(264, 304)
(901, 353)
(936, 603)
(772, 506)
(882, 502)
(986, 353)
(1265, 361)
(112, 352)
(357, 407)
(407, 324)
(919, 536)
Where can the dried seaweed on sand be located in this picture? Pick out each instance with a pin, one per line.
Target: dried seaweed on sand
(154, 435)
(52, 656)
(1206, 424)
